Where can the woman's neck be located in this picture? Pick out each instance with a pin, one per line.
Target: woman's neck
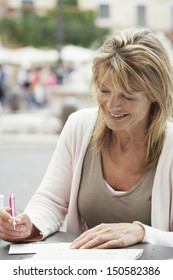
(125, 141)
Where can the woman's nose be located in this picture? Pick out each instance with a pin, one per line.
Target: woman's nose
(114, 101)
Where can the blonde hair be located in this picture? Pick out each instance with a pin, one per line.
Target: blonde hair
(136, 60)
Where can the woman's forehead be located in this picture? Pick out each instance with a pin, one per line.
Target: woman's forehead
(110, 81)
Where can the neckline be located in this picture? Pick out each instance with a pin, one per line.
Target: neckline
(117, 192)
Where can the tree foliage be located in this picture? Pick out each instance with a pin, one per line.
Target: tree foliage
(30, 29)
(70, 2)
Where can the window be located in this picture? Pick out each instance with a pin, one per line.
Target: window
(104, 11)
(27, 2)
(141, 15)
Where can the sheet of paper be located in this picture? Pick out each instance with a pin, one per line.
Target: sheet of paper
(34, 247)
(61, 251)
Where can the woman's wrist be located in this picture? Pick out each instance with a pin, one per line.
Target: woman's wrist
(140, 230)
(35, 233)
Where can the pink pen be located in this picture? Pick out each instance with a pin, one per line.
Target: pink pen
(13, 211)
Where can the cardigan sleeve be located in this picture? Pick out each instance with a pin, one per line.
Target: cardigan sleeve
(156, 236)
(49, 205)
(161, 231)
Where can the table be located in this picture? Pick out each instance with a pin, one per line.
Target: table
(151, 252)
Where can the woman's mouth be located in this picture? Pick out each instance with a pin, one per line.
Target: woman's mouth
(117, 116)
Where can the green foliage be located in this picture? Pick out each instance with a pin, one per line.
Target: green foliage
(30, 29)
(70, 2)
(79, 29)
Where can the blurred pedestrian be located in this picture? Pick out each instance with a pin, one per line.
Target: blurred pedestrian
(2, 85)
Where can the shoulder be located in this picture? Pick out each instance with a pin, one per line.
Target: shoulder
(168, 147)
(169, 128)
(83, 117)
(169, 133)
(85, 113)
(80, 123)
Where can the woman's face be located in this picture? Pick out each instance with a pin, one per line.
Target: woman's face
(123, 111)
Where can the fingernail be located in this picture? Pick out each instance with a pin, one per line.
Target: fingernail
(27, 232)
(10, 221)
(18, 220)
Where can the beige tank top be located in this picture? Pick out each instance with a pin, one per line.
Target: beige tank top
(97, 203)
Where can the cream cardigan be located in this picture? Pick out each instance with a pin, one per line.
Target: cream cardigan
(58, 191)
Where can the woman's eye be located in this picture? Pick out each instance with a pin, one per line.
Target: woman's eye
(104, 90)
(128, 97)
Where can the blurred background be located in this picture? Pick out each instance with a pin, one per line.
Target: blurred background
(46, 53)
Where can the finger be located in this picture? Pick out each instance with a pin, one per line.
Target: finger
(116, 243)
(82, 241)
(13, 235)
(22, 229)
(91, 240)
(6, 224)
(99, 241)
(5, 214)
(88, 233)
(22, 219)
(8, 229)
(22, 222)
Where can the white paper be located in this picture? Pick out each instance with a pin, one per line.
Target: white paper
(32, 248)
(61, 251)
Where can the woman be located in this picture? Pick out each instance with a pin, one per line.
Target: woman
(112, 167)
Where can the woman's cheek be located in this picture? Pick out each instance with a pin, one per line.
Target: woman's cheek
(100, 98)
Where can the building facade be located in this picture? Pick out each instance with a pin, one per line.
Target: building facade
(112, 14)
(8, 7)
(118, 14)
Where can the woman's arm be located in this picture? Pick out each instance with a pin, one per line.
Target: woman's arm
(157, 236)
(115, 235)
(122, 235)
(49, 205)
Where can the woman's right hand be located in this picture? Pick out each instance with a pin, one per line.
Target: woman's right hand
(23, 229)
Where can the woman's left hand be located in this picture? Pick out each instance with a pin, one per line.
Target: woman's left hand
(105, 236)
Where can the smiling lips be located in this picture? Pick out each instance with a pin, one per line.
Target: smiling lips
(117, 116)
